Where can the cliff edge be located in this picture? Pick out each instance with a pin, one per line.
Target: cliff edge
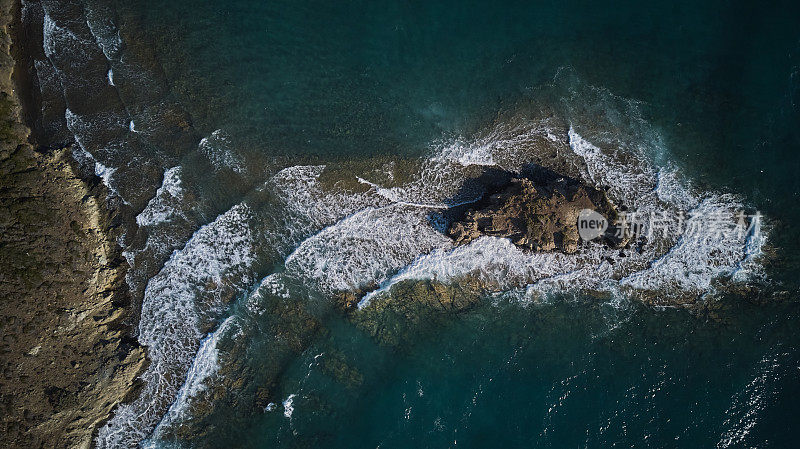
(67, 351)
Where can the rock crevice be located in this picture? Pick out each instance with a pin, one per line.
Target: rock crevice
(538, 211)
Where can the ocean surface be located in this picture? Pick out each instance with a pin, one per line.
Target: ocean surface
(270, 156)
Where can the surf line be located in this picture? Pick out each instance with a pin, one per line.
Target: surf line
(384, 192)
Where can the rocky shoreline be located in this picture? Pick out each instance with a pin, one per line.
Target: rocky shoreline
(68, 351)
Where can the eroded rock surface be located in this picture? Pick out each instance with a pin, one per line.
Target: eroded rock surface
(67, 351)
(538, 212)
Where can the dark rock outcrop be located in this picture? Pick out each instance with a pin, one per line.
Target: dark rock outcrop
(411, 307)
(538, 211)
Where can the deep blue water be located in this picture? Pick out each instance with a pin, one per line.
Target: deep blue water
(719, 81)
(556, 377)
(712, 89)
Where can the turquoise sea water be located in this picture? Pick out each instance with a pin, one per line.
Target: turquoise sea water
(224, 113)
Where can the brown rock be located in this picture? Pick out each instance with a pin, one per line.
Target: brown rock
(538, 213)
(67, 354)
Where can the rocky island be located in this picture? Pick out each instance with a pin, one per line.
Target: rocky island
(538, 212)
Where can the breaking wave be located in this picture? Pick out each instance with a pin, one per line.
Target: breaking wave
(333, 238)
(376, 225)
(369, 227)
(397, 242)
(192, 288)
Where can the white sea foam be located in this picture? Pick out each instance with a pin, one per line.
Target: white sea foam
(365, 247)
(83, 128)
(270, 285)
(750, 268)
(288, 406)
(468, 153)
(205, 366)
(681, 264)
(673, 189)
(389, 244)
(166, 222)
(164, 206)
(58, 39)
(495, 261)
(25, 10)
(100, 170)
(705, 251)
(169, 216)
(217, 148)
(214, 263)
(627, 175)
(394, 196)
(506, 145)
(192, 285)
(102, 27)
(309, 207)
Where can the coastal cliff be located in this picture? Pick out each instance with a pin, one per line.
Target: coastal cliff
(67, 351)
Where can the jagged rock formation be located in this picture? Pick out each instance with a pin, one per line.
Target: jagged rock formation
(539, 212)
(67, 354)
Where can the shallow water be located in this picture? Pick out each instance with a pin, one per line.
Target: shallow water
(268, 155)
